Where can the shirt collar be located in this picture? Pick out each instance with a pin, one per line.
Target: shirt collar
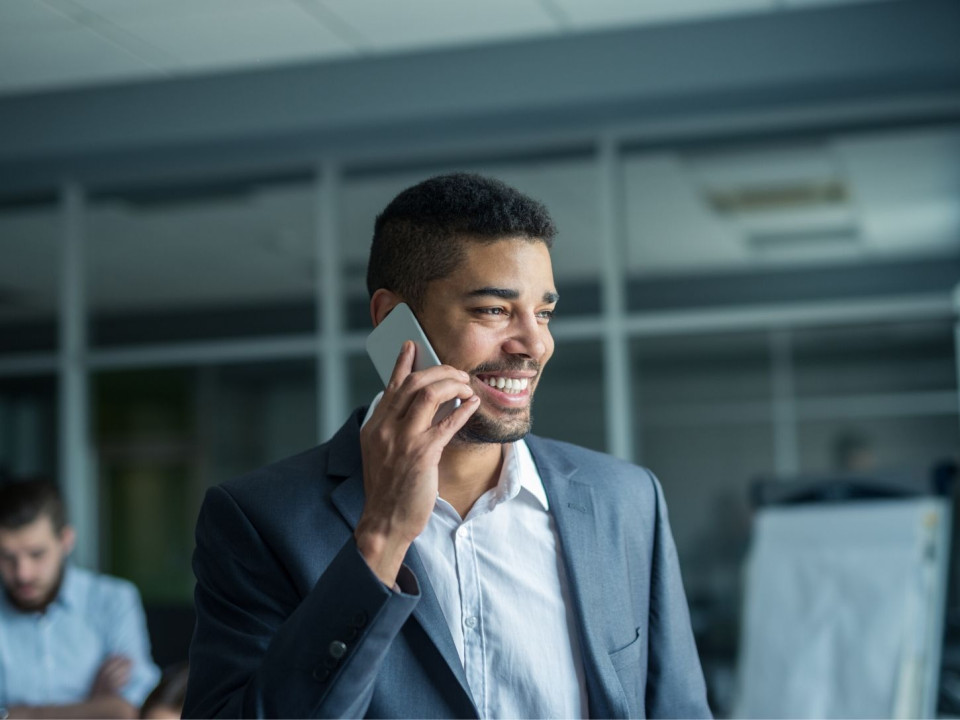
(518, 471)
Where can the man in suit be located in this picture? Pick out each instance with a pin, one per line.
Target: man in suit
(457, 569)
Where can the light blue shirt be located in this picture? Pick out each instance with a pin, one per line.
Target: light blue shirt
(52, 658)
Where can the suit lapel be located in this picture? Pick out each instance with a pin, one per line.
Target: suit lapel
(348, 498)
(579, 525)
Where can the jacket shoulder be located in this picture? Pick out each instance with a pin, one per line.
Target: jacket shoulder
(599, 469)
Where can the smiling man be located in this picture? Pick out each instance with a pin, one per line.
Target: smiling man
(73, 644)
(463, 569)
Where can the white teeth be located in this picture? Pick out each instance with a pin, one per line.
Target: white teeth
(511, 386)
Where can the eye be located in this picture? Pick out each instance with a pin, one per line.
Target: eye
(546, 314)
(491, 311)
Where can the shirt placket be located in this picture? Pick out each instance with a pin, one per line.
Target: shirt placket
(468, 576)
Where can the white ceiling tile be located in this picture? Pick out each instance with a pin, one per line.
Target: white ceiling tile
(615, 13)
(64, 58)
(30, 16)
(387, 25)
(145, 10)
(237, 37)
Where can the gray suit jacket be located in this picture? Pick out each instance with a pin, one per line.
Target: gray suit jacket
(292, 623)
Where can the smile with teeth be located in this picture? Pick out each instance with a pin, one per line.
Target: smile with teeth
(510, 386)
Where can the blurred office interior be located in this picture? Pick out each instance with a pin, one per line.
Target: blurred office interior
(759, 248)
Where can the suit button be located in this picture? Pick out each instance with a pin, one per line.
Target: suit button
(359, 620)
(321, 674)
(337, 649)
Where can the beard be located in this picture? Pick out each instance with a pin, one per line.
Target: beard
(41, 604)
(480, 429)
(515, 423)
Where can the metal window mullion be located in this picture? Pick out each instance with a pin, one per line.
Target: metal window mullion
(331, 354)
(616, 351)
(76, 475)
(783, 404)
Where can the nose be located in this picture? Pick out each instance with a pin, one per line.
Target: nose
(527, 337)
(21, 572)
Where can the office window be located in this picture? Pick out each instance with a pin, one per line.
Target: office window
(163, 436)
(29, 276)
(202, 263)
(704, 425)
(28, 426)
(877, 400)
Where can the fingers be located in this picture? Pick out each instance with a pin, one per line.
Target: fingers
(444, 430)
(403, 366)
(427, 400)
(407, 387)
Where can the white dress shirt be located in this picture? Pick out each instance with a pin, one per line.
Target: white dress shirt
(500, 579)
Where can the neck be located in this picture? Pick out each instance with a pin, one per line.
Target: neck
(467, 471)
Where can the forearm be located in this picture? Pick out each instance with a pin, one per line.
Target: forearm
(112, 706)
(296, 676)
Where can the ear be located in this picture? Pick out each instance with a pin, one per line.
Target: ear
(68, 538)
(382, 302)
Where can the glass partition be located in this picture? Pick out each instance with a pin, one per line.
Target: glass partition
(202, 263)
(29, 276)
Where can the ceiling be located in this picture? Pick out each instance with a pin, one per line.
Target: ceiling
(838, 198)
(56, 44)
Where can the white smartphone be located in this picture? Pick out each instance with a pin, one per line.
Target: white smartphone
(383, 347)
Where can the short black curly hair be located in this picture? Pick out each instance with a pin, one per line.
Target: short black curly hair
(419, 236)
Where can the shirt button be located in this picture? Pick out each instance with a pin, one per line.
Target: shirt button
(470, 622)
(462, 531)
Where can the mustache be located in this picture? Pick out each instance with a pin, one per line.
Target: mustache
(510, 364)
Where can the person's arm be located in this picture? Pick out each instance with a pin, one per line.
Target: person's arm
(126, 638)
(101, 707)
(103, 701)
(675, 686)
(261, 650)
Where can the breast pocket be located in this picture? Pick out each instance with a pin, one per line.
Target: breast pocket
(629, 661)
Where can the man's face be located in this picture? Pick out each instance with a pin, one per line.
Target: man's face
(490, 318)
(31, 562)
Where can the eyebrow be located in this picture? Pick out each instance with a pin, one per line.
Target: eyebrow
(507, 294)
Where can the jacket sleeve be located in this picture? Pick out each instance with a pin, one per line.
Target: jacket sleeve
(675, 686)
(260, 649)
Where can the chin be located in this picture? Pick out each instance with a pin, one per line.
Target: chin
(481, 429)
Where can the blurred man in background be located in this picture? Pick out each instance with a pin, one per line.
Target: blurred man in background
(73, 643)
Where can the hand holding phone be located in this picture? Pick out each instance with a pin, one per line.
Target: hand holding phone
(402, 442)
(384, 343)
